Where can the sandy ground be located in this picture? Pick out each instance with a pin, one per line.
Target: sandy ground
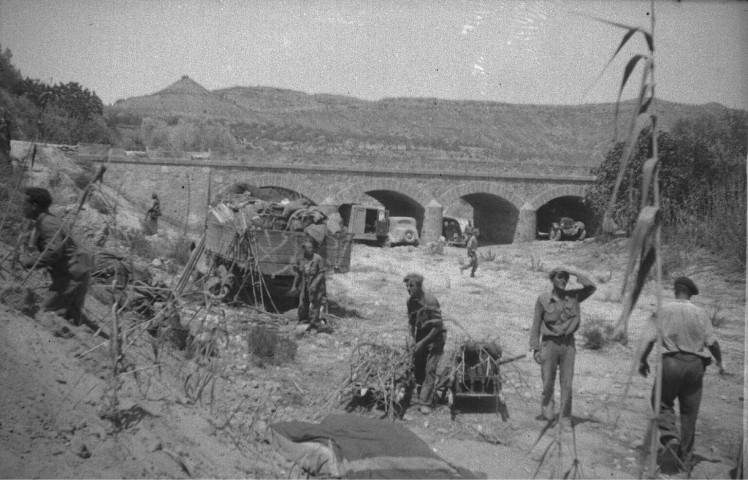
(62, 415)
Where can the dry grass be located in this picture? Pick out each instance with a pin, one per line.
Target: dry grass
(269, 347)
(596, 333)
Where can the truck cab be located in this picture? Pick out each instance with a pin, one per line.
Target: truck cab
(367, 223)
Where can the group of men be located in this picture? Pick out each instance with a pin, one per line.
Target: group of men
(686, 328)
(687, 332)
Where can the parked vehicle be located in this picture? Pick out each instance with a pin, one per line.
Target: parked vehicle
(567, 229)
(366, 222)
(403, 230)
(258, 243)
(454, 231)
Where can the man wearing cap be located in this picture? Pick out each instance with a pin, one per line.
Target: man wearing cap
(429, 335)
(686, 331)
(557, 317)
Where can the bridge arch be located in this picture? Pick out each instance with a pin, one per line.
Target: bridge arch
(400, 198)
(561, 201)
(556, 192)
(266, 180)
(451, 196)
(495, 209)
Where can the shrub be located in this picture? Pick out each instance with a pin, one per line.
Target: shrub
(596, 333)
(269, 346)
(717, 318)
(136, 242)
(179, 251)
(536, 266)
(81, 180)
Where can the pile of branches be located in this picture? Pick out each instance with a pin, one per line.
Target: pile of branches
(381, 377)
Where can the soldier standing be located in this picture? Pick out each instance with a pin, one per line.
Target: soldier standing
(151, 217)
(557, 317)
(429, 335)
(472, 251)
(309, 283)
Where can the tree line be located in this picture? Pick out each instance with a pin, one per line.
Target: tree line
(702, 183)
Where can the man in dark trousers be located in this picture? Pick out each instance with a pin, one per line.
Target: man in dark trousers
(309, 283)
(472, 251)
(151, 217)
(429, 335)
(68, 264)
(686, 333)
(557, 317)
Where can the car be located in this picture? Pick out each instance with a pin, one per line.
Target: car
(403, 230)
(454, 231)
(567, 229)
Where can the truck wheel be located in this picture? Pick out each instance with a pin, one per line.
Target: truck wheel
(409, 237)
(387, 243)
(582, 235)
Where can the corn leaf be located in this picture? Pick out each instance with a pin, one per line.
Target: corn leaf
(635, 127)
(645, 106)
(625, 39)
(647, 36)
(648, 218)
(626, 74)
(648, 173)
(645, 265)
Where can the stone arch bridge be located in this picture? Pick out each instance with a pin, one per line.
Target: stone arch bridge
(510, 202)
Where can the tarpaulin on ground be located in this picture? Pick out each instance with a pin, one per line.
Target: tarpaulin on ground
(362, 448)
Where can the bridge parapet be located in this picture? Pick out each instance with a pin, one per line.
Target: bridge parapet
(399, 161)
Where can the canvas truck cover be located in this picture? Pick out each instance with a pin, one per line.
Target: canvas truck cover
(233, 236)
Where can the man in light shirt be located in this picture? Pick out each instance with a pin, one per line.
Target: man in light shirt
(686, 334)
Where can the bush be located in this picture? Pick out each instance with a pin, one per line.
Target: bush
(14, 221)
(136, 242)
(268, 346)
(596, 333)
(180, 251)
(81, 180)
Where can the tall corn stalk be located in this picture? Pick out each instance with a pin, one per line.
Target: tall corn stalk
(646, 239)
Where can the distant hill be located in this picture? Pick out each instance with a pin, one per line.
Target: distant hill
(578, 134)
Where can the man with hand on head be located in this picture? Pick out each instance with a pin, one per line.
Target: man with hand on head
(557, 317)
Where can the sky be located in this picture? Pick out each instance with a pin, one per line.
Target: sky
(545, 52)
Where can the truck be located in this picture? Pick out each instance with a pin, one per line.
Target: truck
(257, 245)
(367, 223)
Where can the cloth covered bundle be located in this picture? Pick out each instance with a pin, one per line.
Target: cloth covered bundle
(350, 446)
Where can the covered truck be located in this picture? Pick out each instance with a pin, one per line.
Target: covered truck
(258, 242)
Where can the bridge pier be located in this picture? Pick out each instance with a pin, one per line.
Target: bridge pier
(432, 222)
(527, 224)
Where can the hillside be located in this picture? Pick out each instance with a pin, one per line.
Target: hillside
(578, 134)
